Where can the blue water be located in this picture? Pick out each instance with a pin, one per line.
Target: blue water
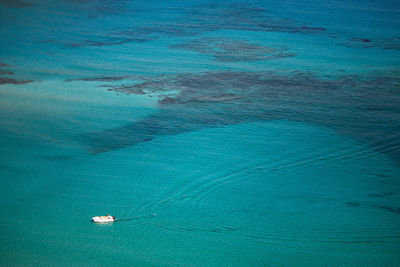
(260, 133)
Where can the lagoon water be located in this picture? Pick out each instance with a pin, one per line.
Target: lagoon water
(261, 133)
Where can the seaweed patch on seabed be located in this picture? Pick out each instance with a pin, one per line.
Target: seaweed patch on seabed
(233, 50)
(202, 19)
(354, 204)
(189, 102)
(101, 8)
(101, 79)
(213, 17)
(3, 65)
(4, 80)
(383, 43)
(16, 3)
(6, 72)
(390, 209)
(381, 195)
(107, 41)
(242, 17)
(13, 81)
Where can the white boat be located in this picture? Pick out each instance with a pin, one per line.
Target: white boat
(103, 219)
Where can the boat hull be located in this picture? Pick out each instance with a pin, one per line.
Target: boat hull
(103, 219)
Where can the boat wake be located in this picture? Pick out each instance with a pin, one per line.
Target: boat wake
(135, 218)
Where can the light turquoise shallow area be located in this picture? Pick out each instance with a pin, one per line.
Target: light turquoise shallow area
(297, 165)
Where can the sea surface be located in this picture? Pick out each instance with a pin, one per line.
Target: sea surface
(219, 133)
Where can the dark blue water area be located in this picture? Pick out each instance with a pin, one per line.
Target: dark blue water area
(228, 133)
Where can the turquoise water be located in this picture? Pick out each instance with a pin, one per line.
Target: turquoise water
(259, 133)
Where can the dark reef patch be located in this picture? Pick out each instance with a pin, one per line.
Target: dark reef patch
(199, 20)
(58, 157)
(101, 79)
(390, 209)
(241, 17)
(101, 8)
(381, 195)
(13, 81)
(3, 65)
(213, 17)
(232, 50)
(382, 175)
(355, 204)
(383, 43)
(16, 3)
(194, 101)
(106, 42)
(6, 72)
(352, 204)
(4, 80)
